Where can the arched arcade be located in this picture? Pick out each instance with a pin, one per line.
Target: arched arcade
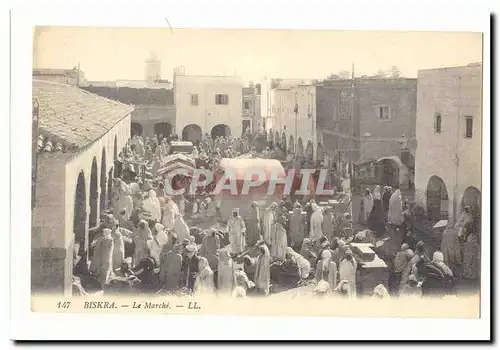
(103, 183)
(163, 129)
(136, 129)
(437, 198)
(300, 147)
(93, 194)
(192, 132)
(220, 130)
(80, 214)
(320, 156)
(309, 150)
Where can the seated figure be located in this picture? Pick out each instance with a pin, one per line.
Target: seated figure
(286, 272)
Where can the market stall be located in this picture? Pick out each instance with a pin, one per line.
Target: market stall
(240, 170)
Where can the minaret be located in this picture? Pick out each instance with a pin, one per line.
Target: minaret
(152, 68)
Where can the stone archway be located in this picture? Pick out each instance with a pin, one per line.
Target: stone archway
(471, 198)
(94, 194)
(220, 130)
(300, 147)
(291, 144)
(163, 129)
(320, 155)
(80, 215)
(309, 150)
(389, 172)
(136, 129)
(103, 182)
(192, 132)
(437, 198)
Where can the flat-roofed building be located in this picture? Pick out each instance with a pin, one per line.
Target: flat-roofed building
(449, 135)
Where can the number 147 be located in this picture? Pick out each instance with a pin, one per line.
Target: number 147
(63, 305)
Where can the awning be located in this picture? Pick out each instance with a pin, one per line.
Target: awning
(179, 157)
(240, 167)
(393, 158)
(188, 170)
(174, 166)
(176, 161)
(247, 156)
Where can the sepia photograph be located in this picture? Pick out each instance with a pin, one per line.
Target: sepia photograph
(257, 172)
(357, 183)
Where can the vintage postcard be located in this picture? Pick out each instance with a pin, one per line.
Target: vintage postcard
(179, 171)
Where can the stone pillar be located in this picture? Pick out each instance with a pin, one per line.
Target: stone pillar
(51, 246)
(51, 271)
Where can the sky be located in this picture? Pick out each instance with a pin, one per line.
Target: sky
(107, 53)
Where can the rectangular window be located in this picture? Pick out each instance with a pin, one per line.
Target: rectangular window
(194, 99)
(437, 123)
(468, 127)
(383, 112)
(221, 99)
(247, 105)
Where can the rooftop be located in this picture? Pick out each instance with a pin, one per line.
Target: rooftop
(53, 71)
(470, 65)
(135, 96)
(203, 79)
(250, 91)
(71, 118)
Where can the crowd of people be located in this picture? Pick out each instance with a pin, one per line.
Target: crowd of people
(209, 150)
(144, 243)
(412, 271)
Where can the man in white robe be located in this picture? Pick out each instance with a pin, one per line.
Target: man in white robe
(156, 245)
(367, 205)
(182, 205)
(181, 228)
(262, 277)
(121, 198)
(279, 242)
(118, 249)
(195, 153)
(169, 212)
(152, 205)
(296, 226)
(269, 219)
(226, 277)
(347, 271)
(140, 149)
(102, 259)
(237, 232)
(204, 281)
(316, 231)
(395, 216)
